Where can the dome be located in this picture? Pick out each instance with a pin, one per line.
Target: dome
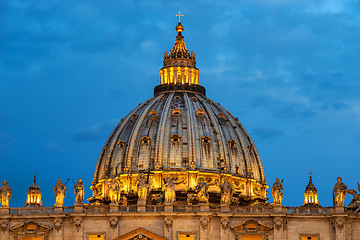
(182, 133)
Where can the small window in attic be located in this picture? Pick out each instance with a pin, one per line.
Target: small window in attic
(232, 143)
(175, 138)
(206, 139)
(145, 140)
(200, 113)
(121, 143)
(176, 113)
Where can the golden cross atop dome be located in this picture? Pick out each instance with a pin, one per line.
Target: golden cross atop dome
(179, 15)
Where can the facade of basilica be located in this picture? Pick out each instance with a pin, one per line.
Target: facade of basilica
(179, 167)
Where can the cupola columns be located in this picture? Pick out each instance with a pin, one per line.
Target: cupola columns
(180, 64)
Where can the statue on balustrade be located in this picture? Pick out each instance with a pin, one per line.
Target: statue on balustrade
(169, 190)
(114, 191)
(355, 202)
(60, 193)
(226, 192)
(142, 189)
(276, 191)
(79, 192)
(339, 193)
(5, 194)
(201, 190)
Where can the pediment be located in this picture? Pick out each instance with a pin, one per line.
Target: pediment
(251, 226)
(31, 228)
(140, 233)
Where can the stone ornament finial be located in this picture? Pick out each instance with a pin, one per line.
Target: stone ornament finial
(339, 193)
(5, 194)
(276, 191)
(60, 193)
(79, 192)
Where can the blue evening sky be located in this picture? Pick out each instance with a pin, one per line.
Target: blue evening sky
(289, 69)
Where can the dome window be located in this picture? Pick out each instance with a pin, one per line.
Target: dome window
(232, 143)
(222, 117)
(175, 138)
(176, 113)
(121, 143)
(134, 116)
(161, 99)
(177, 98)
(153, 114)
(145, 140)
(206, 139)
(200, 113)
(194, 99)
(250, 148)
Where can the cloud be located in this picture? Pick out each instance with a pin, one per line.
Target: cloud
(95, 132)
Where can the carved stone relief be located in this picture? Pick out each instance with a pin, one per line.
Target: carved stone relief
(204, 222)
(77, 221)
(114, 222)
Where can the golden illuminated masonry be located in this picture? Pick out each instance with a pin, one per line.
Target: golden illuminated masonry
(179, 64)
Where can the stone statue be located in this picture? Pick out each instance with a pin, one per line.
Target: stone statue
(142, 189)
(201, 189)
(60, 193)
(339, 193)
(79, 192)
(114, 190)
(169, 190)
(5, 193)
(355, 202)
(276, 191)
(226, 192)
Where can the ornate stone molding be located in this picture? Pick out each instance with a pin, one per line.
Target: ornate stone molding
(4, 225)
(338, 223)
(168, 221)
(114, 222)
(251, 227)
(280, 223)
(225, 221)
(77, 221)
(204, 222)
(58, 223)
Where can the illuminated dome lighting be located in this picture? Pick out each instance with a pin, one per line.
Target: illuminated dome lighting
(311, 194)
(34, 195)
(182, 134)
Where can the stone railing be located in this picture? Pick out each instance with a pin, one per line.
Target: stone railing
(161, 208)
(308, 211)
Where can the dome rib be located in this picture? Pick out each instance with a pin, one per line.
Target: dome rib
(160, 133)
(135, 132)
(191, 132)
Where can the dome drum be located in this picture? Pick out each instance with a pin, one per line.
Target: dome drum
(247, 191)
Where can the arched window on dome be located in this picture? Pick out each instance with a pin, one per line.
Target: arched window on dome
(206, 140)
(145, 140)
(121, 143)
(175, 139)
(232, 143)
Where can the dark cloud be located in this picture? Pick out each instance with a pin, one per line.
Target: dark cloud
(95, 132)
(265, 133)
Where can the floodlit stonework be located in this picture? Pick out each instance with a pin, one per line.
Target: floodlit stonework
(179, 167)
